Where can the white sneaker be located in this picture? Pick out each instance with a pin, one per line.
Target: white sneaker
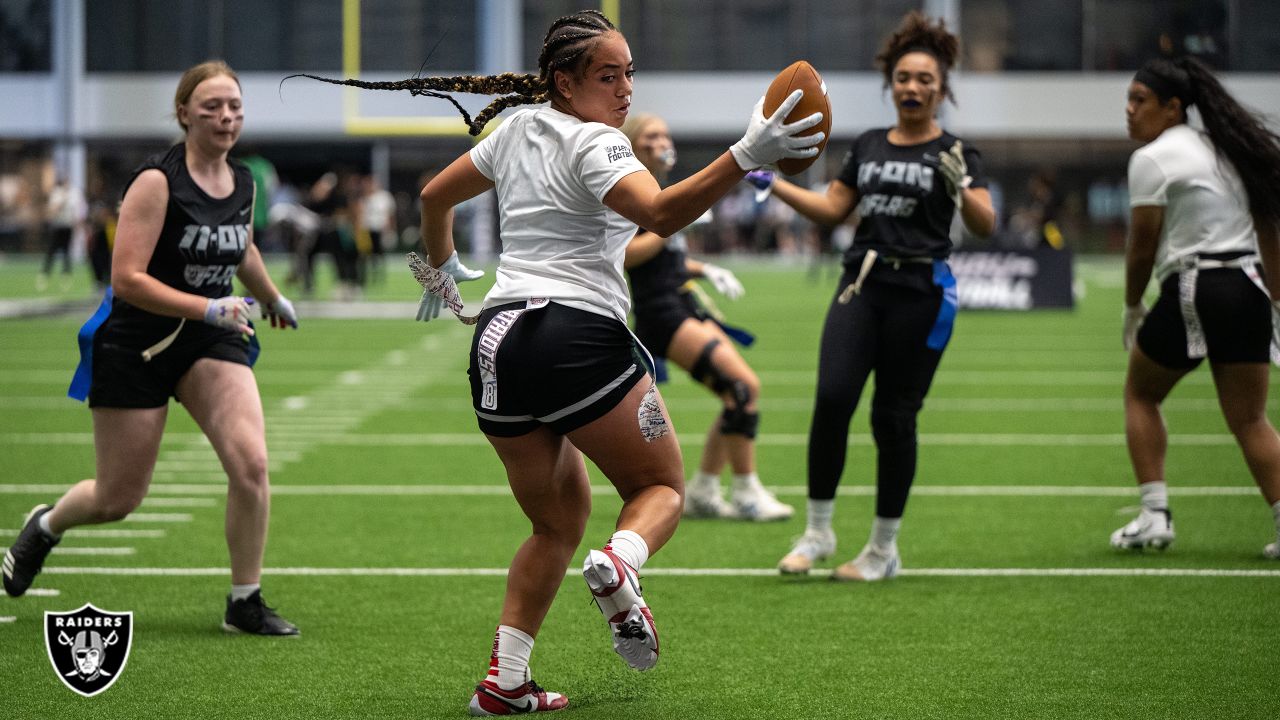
(871, 564)
(1272, 551)
(1152, 528)
(813, 546)
(756, 503)
(616, 589)
(705, 501)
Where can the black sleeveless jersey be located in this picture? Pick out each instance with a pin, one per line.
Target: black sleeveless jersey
(200, 246)
(659, 278)
(903, 205)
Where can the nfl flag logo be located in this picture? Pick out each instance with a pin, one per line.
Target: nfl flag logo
(88, 647)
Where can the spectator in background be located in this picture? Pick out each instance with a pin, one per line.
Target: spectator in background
(378, 221)
(64, 214)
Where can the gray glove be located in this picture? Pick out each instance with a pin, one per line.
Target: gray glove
(955, 172)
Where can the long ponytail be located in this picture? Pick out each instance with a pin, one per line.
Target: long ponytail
(1239, 134)
(567, 48)
(516, 89)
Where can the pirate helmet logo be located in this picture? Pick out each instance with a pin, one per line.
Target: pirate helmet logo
(88, 647)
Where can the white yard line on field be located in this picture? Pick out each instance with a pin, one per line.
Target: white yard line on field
(306, 440)
(672, 572)
(93, 551)
(1126, 491)
(101, 533)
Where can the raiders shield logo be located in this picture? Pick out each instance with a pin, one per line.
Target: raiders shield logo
(88, 647)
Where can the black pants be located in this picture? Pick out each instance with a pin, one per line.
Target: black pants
(59, 242)
(884, 329)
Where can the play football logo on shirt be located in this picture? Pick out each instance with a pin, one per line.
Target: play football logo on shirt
(88, 647)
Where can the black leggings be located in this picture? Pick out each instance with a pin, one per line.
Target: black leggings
(884, 329)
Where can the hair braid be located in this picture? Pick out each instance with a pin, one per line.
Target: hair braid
(565, 48)
(517, 89)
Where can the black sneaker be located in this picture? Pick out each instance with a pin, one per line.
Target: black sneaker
(251, 615)
(23, 561)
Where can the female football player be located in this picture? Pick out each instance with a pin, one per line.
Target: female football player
(555, 372)
(893, 309)
(174, 329)
(1204, 219)
(672, 324)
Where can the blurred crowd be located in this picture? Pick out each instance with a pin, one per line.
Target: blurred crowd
(347, 220)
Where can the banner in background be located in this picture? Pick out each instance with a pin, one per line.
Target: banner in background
(1013, 279)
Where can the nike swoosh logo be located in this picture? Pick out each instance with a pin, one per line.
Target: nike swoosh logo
(930, 158)
(526, 706)
(245, 211)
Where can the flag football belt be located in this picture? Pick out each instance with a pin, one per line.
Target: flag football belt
(868, 260)
(1188, 273)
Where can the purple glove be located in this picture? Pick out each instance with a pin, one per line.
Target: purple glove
(762, 181)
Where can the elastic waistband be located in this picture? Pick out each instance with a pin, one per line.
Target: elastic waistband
(1216, 261)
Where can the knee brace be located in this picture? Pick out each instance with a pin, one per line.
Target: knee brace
(736, 421)
(702, 367)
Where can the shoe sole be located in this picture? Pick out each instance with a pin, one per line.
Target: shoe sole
(635, 637)
(1155, 543)
(233, 630)
(6, 570)
(890, 571)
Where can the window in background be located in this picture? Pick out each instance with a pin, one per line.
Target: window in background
(1255, 42)
(25, 32)
(748, 35)
(1126, 33)
(1004, 35)
(403, 36)
(172, 35)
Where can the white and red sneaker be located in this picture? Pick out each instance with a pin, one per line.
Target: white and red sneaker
(492, 700)
(616, 589)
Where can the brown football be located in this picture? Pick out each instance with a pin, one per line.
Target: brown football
(800, 75)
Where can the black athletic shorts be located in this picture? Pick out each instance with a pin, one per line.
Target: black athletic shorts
(658, 319)
(1234, 313)
(122, 379)
(542, 363)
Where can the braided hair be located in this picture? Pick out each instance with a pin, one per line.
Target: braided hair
(1237, 134)
(566, 48)
(916, 33)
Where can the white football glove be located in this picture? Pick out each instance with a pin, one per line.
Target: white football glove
(460, 272)
(955, 172)
(769, 140)
(1275, 324)
(280, 312)
(229, 312)
(440, 287)
(1133, 317)
(724, 281)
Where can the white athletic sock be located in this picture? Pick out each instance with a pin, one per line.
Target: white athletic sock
(746, 482)
(884, 532)
(819, 517)
(630, 547)
(43, 524)
(1154, 495)
(241, 592)
(706, 480)
(509, 664)
(1275, 510)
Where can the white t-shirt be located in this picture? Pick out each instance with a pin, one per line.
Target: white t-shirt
(1206, 208)
(559, 241)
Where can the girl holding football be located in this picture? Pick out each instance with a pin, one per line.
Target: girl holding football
(555, 373)
(893, 309)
